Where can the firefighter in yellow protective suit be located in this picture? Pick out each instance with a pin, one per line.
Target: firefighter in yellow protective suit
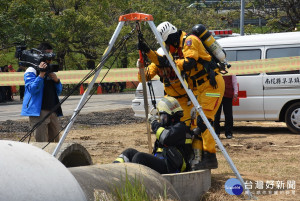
(197, 64)
(172, 87)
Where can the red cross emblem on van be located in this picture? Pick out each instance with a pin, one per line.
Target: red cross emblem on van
(241, 94)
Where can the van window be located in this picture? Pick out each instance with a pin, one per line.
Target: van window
(241, 55)
(283, 52)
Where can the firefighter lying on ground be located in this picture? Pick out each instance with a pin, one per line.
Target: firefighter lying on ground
(195, 62)
(172, 87)
(171, 154)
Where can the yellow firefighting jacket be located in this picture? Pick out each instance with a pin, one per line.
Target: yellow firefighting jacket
(193, 48)
(172, 87)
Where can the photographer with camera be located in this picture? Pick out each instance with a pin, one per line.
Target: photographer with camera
(42, 88)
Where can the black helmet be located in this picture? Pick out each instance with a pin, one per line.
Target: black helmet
(198, 30)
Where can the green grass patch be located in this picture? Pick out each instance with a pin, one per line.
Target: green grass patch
(130, 190)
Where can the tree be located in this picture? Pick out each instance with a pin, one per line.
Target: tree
(282, 15)
(80, 30)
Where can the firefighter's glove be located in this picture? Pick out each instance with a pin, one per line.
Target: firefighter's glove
(151, 118)
(143, 47)
(196, 131)
(193, 113)
(163, 61)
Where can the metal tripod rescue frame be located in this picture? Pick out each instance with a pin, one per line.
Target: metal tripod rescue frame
(136, 17)
(149, 19)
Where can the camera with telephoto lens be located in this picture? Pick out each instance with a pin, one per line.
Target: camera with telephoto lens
(34, 57)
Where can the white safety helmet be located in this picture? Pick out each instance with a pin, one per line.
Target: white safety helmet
(165, 29)
(160, 51)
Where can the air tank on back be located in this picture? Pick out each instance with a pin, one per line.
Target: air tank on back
(210, 43)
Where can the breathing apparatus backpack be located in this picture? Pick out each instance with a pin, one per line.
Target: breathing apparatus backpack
(212, 46)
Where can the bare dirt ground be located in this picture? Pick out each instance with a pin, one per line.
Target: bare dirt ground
(266, 154)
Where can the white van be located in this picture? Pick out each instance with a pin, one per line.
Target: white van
(266, 96)
(138, 101)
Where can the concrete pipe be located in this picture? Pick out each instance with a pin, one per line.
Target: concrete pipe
(102, 180)
(29, 173)
(70, 154)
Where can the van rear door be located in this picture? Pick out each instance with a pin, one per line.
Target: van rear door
(280, 87)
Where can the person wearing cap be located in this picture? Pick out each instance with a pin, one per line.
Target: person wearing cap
(195, 62)
(10, 68)
(170, 153)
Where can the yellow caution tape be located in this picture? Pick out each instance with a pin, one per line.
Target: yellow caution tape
(75, 76)
(266, 65)
(130, 74)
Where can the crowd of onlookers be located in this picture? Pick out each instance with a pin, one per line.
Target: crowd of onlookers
(113, 87)
(7, 92)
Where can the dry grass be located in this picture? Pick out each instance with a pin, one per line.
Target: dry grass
(261, 151)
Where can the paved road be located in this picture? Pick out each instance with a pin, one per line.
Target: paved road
(98, 103)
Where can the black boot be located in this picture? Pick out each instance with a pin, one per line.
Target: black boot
(209, 161)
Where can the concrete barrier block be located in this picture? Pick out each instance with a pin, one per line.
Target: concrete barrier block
(190, 185)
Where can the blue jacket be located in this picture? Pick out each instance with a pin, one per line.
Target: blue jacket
(33, 96)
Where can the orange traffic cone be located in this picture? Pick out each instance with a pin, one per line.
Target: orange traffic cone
(81, 90)
(99, 89)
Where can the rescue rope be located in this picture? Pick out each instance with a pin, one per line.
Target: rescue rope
(146, 63)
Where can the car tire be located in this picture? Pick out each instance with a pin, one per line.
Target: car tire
(292, 118)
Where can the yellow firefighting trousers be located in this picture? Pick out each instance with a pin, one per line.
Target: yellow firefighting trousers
(210, 99)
